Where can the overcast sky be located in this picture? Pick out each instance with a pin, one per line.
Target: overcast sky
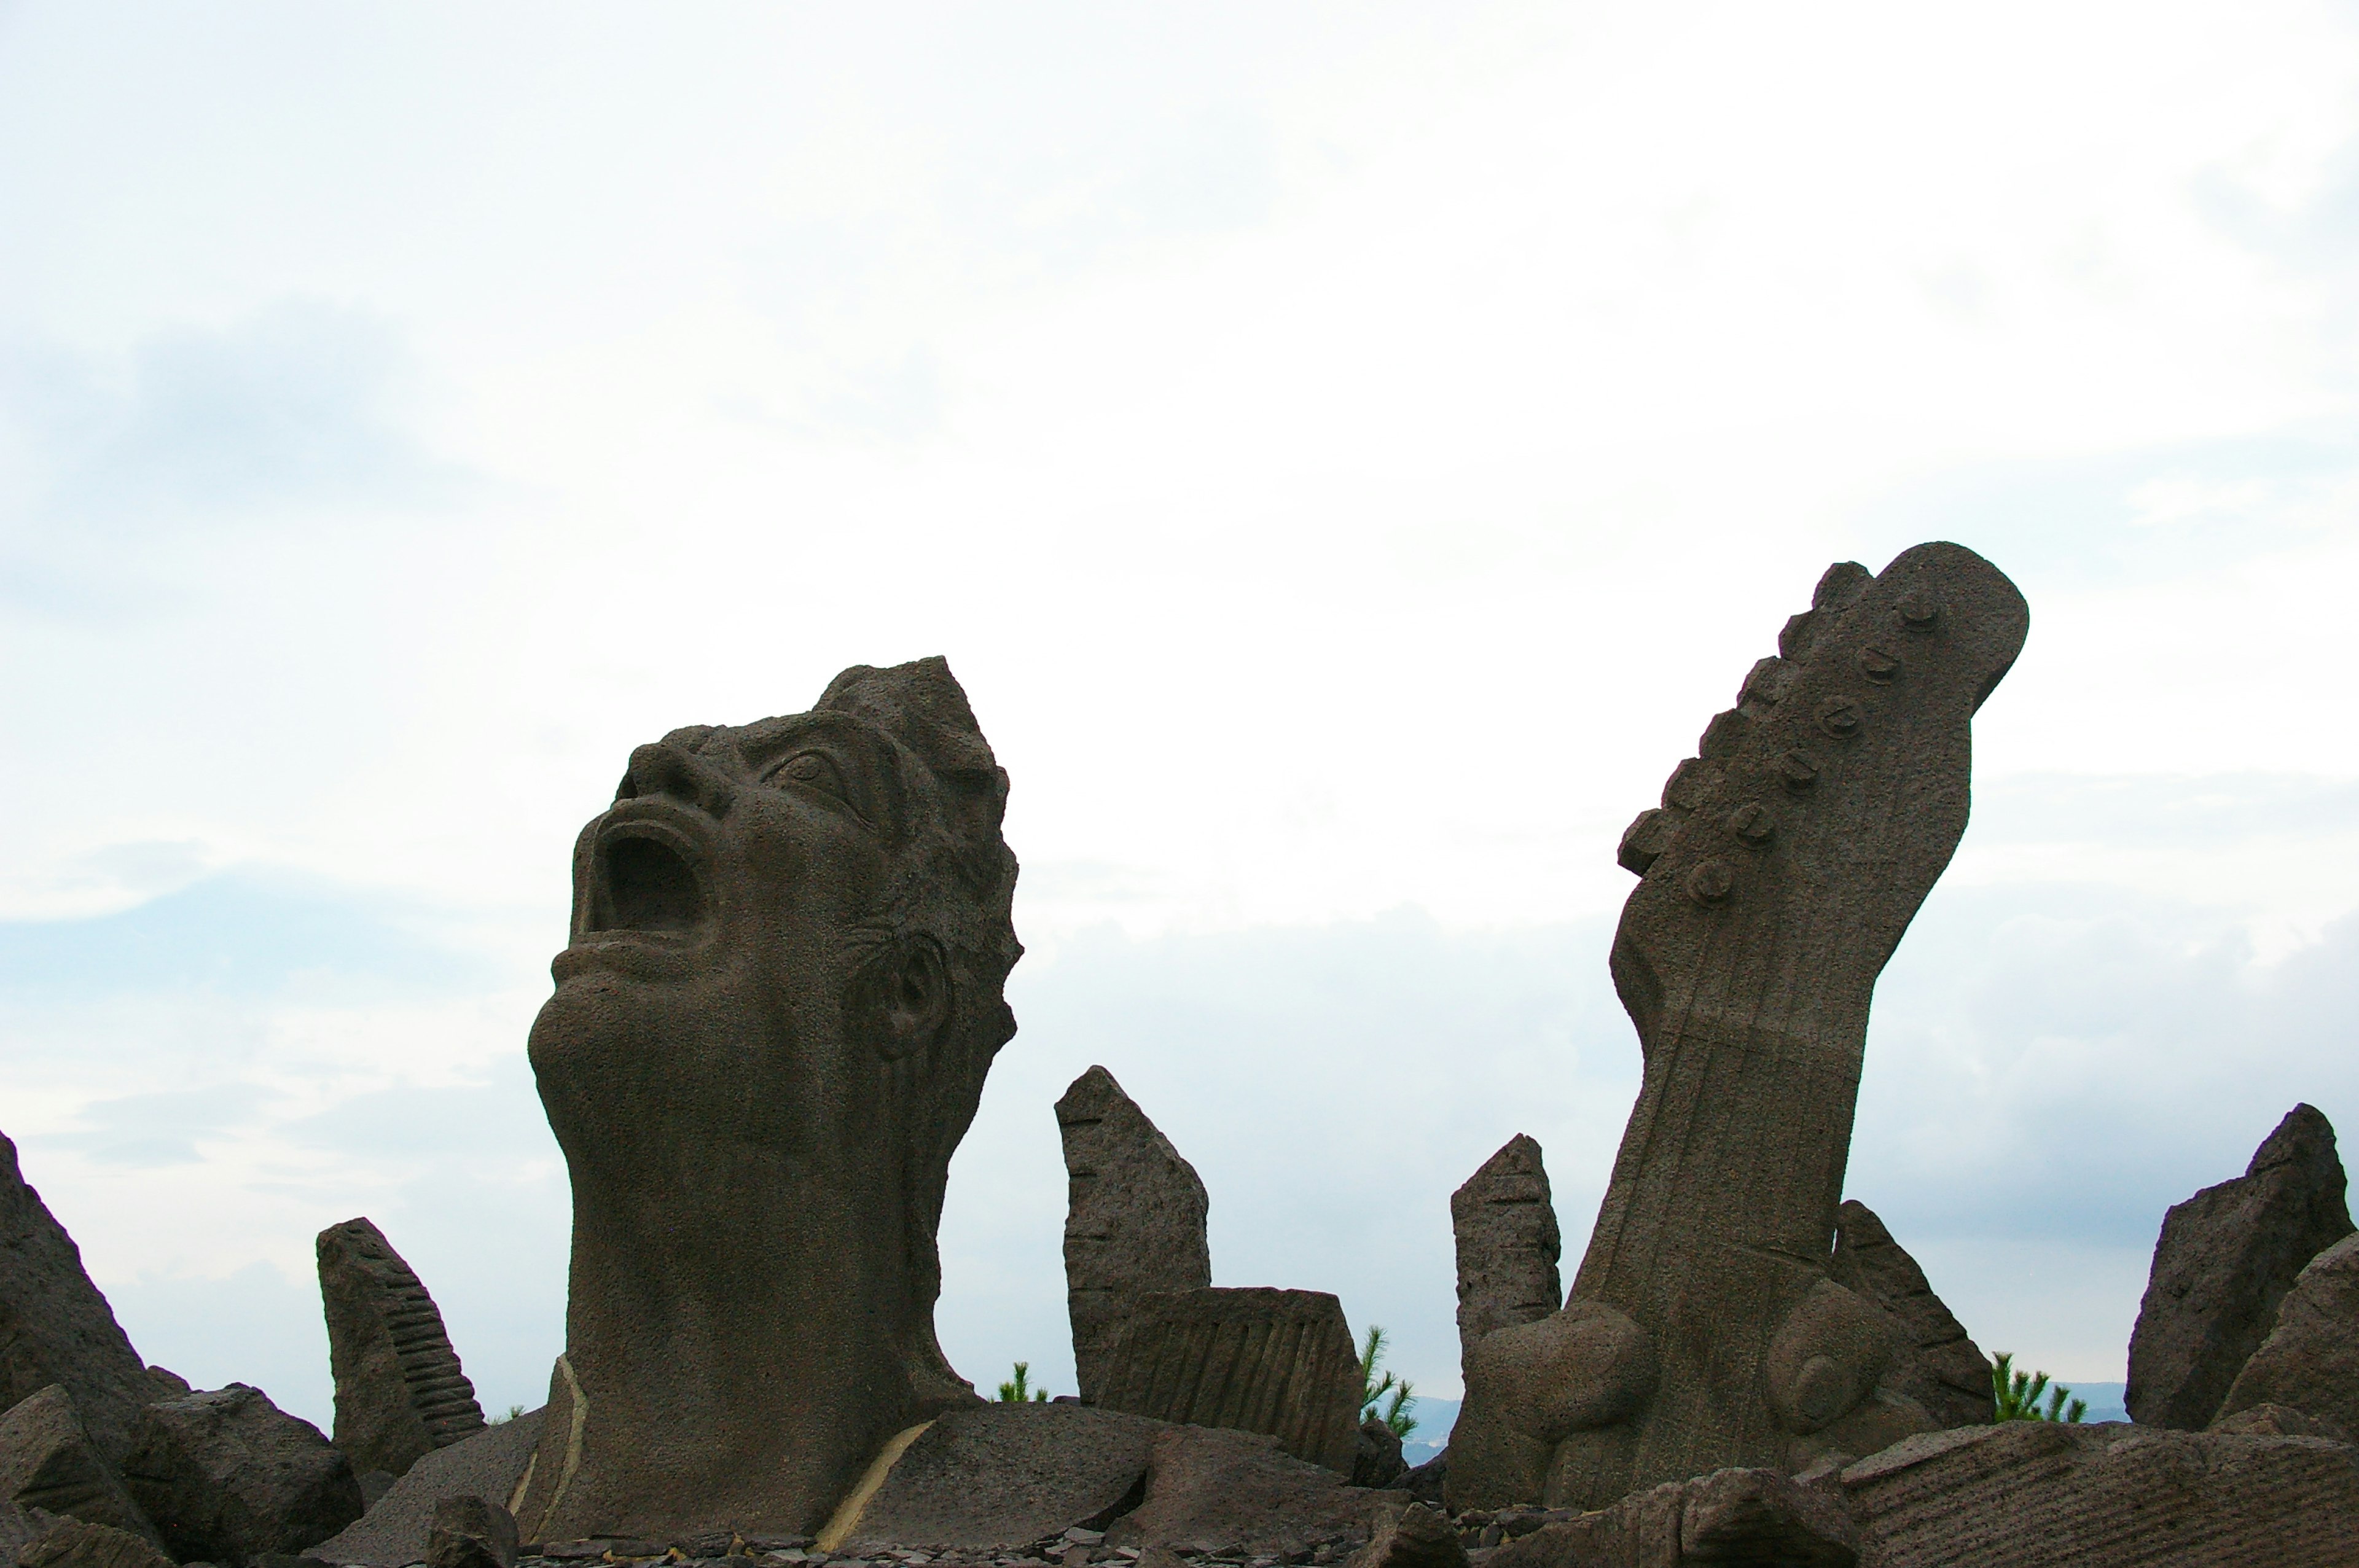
(1347, 452)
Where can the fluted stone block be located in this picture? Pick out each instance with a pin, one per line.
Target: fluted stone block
(1261, 1360)
(1507, 1244)
(1705, 1331)
(400, 1391)
(1939, 1366)
(2224, 1261)
(1134, 1217)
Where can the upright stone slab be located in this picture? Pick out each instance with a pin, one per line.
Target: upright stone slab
(49, 1462)
(1505, 1223)
(1938, 1364)
(400, 1391)
(55, 1327)
(1705, 1331)
(2311, 1360)
(770, 1029)
(1260, 1360)
(1135, 1216)
(2226, 1259)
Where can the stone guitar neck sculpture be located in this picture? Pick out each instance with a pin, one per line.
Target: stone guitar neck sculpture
(1703, 1330)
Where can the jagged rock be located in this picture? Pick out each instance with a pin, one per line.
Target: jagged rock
(1939, 1366)
(2031, 1494)
(2311, 1360)
(168, 1384)
(81, 1543)
(227, 1476)
(1417, 1536)
(1427, 1482)
(2278, 1420)
(55, 1326)
(491, 1466)
(1729, 1517)
(2224, 1261)
(1135, 1214)
(1790, 854)
(469, 1532)
(784, 988)
(1225, 1493)
(49, 1462)
(1006, 1474)
(1280, 1362)
(1507, 1244)
(1378, 1461)
(400, 1391)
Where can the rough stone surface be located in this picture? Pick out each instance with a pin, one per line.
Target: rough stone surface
(2279, 1421)
(2030, 1494)
(469, 1532)
(227, 1476)
(770, 1033)
(1734, 1516)
(2311, 1360)
(1703, 1331)
(1379, 1461)
(1939, 1366)
(2226, 1259)
(55, 1327)
(1417, 1536)
(80, 1543)
(1233, 1492)
(1280, 1362)
(1429, 1482)
(1135, 1216)
(1007, 1474)
(1507, 1244)
(49, 1462)
(400, 1392)
(490, 1466)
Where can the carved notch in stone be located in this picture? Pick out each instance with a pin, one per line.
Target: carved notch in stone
(1777, 878)
(770, 1033)
(1508, 1245)
(400, 1391)
(1278, 1362)
(1134, 1218)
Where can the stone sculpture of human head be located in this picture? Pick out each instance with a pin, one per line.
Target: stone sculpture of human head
(770, 1030)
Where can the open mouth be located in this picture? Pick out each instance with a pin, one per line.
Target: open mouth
(645, 884)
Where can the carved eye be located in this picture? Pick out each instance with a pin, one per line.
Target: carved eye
(813, 769)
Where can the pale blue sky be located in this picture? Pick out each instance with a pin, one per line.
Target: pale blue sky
(1348, 452)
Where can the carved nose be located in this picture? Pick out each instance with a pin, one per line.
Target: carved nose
(667, 771)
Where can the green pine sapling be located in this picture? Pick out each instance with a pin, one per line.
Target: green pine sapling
(1372, 1388)
(2018, 1394)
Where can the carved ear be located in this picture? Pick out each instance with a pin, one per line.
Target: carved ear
(907, 997)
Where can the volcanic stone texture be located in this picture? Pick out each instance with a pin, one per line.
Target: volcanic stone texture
(400, 1392)
(490, 1466)
(48, 1461)
(1703, 1331)
(76, 1544)
(2311, 1360)
(1417, 1536)
(55, 1327)
(226, 1475)
(1507, 1243)
(1007, 1474)
(1261, 1360)
(1940, 1367)
(2031, 1494)
(1728, 1517)
(1134, 1218)
(469, 1532)
(1231, 1493)
(2226, 1259)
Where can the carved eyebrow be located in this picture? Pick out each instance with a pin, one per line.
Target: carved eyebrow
(869, 764)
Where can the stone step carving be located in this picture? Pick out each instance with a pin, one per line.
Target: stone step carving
(2224, 1261)
(1789, 855)
(1939, 1366)
(55, 1326)
(1505, 1222)
(1260, 1360)
(400, 1391)
(1135, 1218)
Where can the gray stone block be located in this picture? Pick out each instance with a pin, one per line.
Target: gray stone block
(1006, 1474)
(1279, 1362)
(490, 1466)
(80, 1543)
(469, 1532)
(49, 1462)
(227, 1476)
(1938, 1366)
(1231, 1493)
(2311, 1360)
(400, 1391)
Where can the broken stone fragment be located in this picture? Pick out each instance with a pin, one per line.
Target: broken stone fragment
(400, 1391)
(1939, 1366)
(2223, 1265)
(227, 1476)
(1378, 1461)
(1257, 1359)
(1224, 1493)
(1134, 1218)
(1417, 1536)
(80, 1543)
(2311, 1360)
(55, 1326)
(491, 1466)
(2279, 1421)
(1728, 1517)
(49, 1462)
(1505, 1224)
(469, 1532)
